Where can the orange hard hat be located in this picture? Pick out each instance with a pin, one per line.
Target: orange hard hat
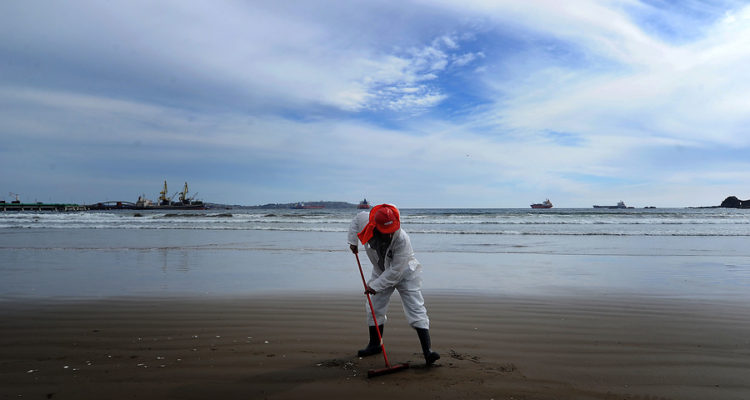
(385, 217)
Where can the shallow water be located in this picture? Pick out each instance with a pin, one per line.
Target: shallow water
(215, 254)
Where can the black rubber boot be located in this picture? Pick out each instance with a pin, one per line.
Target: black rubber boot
(374, 346)
(424, 338)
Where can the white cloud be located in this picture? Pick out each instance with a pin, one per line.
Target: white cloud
(693, 91)
(467, 58)
(266, 82)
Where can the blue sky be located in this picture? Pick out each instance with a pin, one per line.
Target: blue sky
(441, 103)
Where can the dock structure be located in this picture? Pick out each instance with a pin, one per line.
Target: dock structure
(41, 207)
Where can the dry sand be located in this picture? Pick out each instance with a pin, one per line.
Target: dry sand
(305, 346)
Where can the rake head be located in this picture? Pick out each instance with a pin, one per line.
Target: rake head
(387, 370)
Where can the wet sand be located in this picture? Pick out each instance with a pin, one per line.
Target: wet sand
(276, 347)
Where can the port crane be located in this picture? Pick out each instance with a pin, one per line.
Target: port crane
(163, 199)
(183, 194)
(163, 195)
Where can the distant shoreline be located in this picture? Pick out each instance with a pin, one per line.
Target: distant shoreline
(281, 206)
(308, 204)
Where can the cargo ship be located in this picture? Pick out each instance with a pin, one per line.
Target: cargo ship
(183, 201)
(620, 204)
(544, 204)
(165, 203)
(363, 205)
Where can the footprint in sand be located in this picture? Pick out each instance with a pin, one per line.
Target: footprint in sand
(468, 357)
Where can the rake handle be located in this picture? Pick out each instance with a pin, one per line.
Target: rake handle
(372, 310)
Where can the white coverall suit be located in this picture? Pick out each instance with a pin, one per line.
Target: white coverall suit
(402, 272)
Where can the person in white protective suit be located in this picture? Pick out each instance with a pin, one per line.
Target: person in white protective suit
(394, 267)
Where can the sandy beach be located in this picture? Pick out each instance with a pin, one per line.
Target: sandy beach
(165, 309)
(295, 346)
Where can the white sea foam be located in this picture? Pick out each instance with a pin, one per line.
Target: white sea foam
(670, 222)
(699, 253)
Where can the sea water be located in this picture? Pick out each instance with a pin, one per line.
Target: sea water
(692, 253)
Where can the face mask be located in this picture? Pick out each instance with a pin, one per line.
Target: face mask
(380, 243)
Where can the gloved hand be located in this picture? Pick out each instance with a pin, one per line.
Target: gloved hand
(354, 248)
(370, 290)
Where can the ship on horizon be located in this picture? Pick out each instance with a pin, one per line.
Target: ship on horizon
(363, 205)
(620, 204)
(544, 204)
(165, 203)
(183, 202)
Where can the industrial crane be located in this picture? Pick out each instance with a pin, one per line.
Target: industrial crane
(183, 194)
(163, 200)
